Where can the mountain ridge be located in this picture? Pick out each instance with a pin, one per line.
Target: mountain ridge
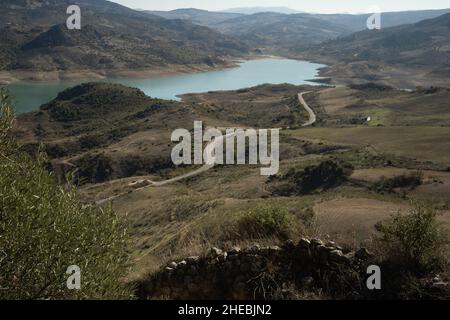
(420, 52)
(284, 33)
(112, 37)
(202, 17)
(253, 10)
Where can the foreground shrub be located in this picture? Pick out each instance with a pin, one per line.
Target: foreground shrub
(415, 241)
(266, 221)
(44, 229)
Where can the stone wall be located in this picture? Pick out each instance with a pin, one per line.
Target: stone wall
(258, 272)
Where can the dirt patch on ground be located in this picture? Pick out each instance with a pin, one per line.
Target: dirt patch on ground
(375, 174)
(352, 221)
(436, 184)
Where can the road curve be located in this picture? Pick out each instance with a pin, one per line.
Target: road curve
(209, 164)
(312, 115)
(210, 161)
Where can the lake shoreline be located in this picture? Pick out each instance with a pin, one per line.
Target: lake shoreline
(169, 85)
(8, 77)
(11, 77)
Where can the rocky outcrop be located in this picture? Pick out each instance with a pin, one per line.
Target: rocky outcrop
(258, 272)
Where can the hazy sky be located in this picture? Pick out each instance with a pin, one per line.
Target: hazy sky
(324, 6)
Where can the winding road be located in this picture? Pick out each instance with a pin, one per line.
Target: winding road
(210, 161)
(312, 115)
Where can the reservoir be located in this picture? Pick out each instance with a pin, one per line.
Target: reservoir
(29, 96)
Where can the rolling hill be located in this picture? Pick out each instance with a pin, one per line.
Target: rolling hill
(287, 30)
(281, 31)
(296, 31)
(417, 51)
(357, 22)
(34, 38)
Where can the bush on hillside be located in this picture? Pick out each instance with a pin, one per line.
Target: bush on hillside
(326, 175)
(266, 221)
(370, 86)
(410, 181)
(415, 241)
(44, 229)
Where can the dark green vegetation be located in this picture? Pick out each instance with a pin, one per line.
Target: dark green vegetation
(415, 241)
(411, 181)
(263, 221)
(44, 229)
(325, 175)
(34, 37)
(413, 245)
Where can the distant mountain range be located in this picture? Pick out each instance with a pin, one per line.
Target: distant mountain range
(294, 31)
(34, 37)
(253, 10)
(280, 31)
(358, 22)
(202, 17)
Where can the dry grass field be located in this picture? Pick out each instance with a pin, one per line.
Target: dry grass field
(187, 217)
(422, 143)
(352, 221)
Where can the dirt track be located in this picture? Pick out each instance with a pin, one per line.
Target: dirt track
(312, 115)
(210, 161)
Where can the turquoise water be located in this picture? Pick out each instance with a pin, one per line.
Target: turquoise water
(30, 96)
